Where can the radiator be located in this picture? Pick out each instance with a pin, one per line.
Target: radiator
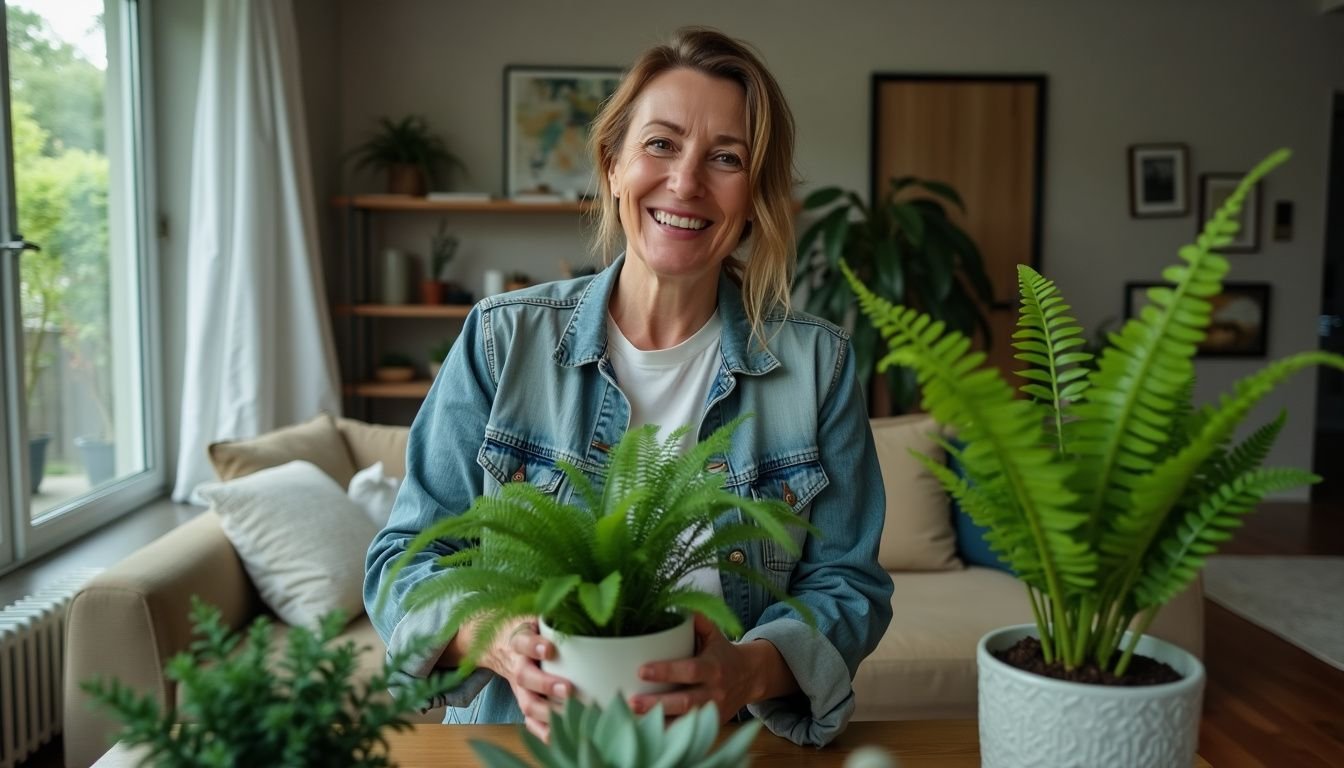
(32, 664)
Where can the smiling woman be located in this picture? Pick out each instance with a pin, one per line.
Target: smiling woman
(689, 326)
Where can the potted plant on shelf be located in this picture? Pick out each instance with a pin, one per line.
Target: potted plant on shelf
(607, 575)
(437, 354)
(1105, 490)
(614, 737)
(236, 707)
(436, 288)
(395, 367)
(408, 151)
(909, 251)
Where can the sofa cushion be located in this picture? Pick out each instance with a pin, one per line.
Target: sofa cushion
(924, 666)
(376, 442)
(301, 539)
(316, 440)
(375, 492)
(917, 534)
(971, 545)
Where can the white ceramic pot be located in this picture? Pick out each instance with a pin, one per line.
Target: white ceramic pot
(1026, 719)
(602, 667)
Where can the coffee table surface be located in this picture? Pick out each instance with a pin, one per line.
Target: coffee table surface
(918, 744)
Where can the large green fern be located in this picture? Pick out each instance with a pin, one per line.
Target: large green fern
(612, 564)
(1103, 488)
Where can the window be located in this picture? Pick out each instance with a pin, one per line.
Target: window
(76, 280)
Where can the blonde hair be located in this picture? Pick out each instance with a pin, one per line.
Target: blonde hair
(766, 274)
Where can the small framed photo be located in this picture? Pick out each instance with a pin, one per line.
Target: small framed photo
(1158, 180)
(548, 113)
(1214, 189)
(1239, 326)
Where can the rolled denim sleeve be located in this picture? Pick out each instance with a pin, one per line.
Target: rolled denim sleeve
(442, 478)
(837, 577)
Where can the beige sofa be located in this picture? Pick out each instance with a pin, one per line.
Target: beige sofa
(131, 619)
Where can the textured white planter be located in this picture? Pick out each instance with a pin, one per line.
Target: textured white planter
(601, 667)
(1026, 719)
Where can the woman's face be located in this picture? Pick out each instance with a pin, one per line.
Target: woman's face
(681, 175)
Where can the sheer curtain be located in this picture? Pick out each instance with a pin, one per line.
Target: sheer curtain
(259, 351)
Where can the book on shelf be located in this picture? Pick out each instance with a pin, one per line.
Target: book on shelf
(539, 197)
(459, 197)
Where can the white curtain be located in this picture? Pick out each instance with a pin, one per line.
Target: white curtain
(259, 351)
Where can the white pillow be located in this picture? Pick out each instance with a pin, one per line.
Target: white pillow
(375, 492)
(301, 539)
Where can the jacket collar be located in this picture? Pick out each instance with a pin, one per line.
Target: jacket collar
(585, 337)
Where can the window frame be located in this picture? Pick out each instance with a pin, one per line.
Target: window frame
(21, 538)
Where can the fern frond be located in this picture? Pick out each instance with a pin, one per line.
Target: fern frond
(1175, 560)
(1044, 337)
(1128, 414)
(1005, 437)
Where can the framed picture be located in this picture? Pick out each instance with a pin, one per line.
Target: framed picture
(548, 112)
(1158, 175)
(1214, 189)
(1240, 323)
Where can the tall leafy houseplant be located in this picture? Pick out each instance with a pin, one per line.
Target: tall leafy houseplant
(906, 249)
(1104, 489)
(611, 565)
(408, 151)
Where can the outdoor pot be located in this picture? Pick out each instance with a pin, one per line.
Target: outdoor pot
(1026, 719)
(37, 460)
(602, 667)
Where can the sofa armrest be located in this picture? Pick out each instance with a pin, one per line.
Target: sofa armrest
(131, 619)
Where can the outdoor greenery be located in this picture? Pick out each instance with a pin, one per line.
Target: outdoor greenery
(612, 565)
(61, 181)
(613, 737)
(236, 709)
(908, 251)
(1104, 489)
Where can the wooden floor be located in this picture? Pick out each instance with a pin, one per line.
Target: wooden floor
(1266, 702)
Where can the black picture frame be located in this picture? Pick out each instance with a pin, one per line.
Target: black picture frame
(1159, 180)
(1213, 190)
(1241, 318)
(548, 114)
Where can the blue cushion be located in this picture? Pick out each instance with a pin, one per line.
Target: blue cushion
(971, 545)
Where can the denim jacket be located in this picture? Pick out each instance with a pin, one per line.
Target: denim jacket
(529, 382)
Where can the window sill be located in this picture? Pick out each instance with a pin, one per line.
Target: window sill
(100, 548)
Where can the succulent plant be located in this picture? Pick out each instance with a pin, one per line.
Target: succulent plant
(614, 737)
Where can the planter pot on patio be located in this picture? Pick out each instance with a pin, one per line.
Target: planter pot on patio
(602, 667)
(1026, 719)
(99, 457)
(37, 460)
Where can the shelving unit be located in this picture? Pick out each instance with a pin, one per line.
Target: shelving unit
(355, 307)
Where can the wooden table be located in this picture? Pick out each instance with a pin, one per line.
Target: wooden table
(918, 744)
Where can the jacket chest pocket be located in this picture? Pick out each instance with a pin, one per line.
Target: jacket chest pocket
(795, 484)
(508, 464)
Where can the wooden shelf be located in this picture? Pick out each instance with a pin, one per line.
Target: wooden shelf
(457, 311)
(411, 203)
(416, 389)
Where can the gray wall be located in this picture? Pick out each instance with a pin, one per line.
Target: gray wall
(1231, 78)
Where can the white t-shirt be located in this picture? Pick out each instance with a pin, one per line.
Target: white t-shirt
(668, 387)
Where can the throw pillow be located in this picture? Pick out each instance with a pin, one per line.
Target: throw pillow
(317, 441)
(374, 492)
(971, 545)
(376, 442)
(301, 539)
(918, 533)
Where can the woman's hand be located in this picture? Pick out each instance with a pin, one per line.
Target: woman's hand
(730, 675)
(516, 655)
